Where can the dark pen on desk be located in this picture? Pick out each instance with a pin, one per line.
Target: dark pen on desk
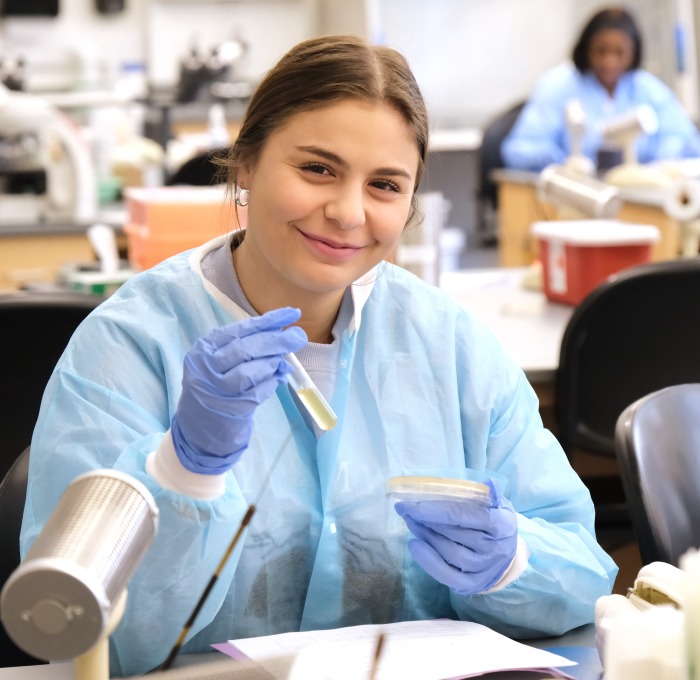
(376, 658)
(247, 517)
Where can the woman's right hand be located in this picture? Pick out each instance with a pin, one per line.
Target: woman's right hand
(227, 375)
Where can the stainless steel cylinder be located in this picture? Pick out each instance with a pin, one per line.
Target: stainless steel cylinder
(564, 187)
(57, 603)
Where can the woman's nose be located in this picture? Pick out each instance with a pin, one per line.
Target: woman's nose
(347, 207)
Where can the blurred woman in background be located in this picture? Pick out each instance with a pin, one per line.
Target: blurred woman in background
(606, 79)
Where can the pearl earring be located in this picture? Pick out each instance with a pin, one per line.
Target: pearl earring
(242, 196)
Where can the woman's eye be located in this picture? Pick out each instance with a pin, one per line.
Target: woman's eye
(316, 168)
(386, 185)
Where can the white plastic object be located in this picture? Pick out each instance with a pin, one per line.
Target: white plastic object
(658, 584)
(596, 232)
(690, 565)
(104, 243)
(682, 200)
(628, 125)
(645, 645)
(437, 488)
(82, 186)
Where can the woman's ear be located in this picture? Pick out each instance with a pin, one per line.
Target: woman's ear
(243, 179)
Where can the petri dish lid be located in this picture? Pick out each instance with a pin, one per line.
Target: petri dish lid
(436, 488)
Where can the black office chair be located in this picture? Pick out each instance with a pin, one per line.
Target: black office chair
(658, 448)
(13, 490)
(200, 170)
(36, 327)
(632, 335)
(490, 159)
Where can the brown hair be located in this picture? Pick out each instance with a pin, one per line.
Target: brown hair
(323, 71)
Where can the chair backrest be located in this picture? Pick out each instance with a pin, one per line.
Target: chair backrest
(35, 330)
(634, 334)
(200, 170)
(657, 441)
(490, 156)
(13, 491)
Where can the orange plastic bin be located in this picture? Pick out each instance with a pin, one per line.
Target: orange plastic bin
(164, 221)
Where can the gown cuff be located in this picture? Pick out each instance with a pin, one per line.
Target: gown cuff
(517, 566)
(164, 467)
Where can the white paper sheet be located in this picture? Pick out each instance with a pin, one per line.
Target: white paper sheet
(413, 650)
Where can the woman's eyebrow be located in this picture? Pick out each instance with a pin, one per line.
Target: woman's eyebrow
(334, 158)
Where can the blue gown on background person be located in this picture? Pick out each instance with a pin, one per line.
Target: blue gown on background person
(422, 388)
(539, 136)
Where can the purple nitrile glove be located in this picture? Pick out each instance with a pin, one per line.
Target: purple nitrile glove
(227, 374)
(465, 545)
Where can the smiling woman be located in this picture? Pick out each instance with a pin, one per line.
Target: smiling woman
(182, 379)
(330, 195)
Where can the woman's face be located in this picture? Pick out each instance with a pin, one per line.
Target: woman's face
(330, 194)
(610, 54)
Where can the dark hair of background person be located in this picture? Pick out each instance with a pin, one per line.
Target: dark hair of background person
(612, 18)
(323, 71)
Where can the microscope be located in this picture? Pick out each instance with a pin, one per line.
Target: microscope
(575, 118)
(621, 133)
(46, 168)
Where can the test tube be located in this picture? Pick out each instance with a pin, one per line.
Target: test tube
(310, 396)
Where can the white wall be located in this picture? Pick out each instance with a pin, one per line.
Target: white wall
(474, 58)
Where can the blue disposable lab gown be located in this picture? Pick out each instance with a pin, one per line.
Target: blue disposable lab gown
(539, 136)
(422, 387)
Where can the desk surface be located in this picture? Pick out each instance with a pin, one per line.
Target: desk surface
(582, 638)
(115, 216)
(528, 325)
(641, 195)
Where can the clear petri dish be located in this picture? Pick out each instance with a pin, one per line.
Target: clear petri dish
(437, 489)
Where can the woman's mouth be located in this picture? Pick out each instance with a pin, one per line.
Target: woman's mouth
(330, 248)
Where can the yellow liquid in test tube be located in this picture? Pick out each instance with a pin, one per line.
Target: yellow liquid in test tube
(310, 396)
(323, 416)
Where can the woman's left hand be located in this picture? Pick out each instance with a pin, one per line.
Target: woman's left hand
(464, 545)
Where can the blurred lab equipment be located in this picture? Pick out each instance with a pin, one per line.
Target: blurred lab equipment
(649, 633)
(211, 75)
(104, 244)
(419, 248)
(37, 136)
(623, 130)
(187, 146)
(682, 203)
(12, 72)
(577, 194)
(620, 134)
(575, 118)
(69, 592)
(107, 275)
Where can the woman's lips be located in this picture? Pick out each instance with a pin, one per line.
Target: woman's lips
(332, 249)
